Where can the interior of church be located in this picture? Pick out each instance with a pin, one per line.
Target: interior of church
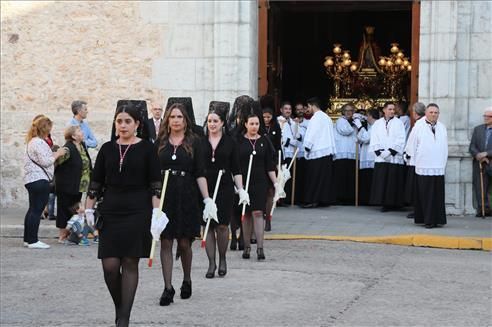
(303, 34)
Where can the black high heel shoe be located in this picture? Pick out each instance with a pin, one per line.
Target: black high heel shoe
(222, 268)
(167, 297)
(186, 290)
(246, 252)
(234, 242)
(211, 274)
(260, 254)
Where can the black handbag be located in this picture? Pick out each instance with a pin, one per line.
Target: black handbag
(51, 180)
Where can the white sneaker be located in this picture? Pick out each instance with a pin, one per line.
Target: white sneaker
(38, 245)
(26, 244)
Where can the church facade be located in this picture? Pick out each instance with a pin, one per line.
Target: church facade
(100, 52)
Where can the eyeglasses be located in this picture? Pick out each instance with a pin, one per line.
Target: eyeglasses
(487, 116)
(157, 108)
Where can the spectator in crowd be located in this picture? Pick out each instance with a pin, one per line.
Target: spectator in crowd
(38, 173)
(79, 110)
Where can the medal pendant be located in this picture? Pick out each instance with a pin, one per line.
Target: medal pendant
(213, 159)
(254, 152)
(173, 157)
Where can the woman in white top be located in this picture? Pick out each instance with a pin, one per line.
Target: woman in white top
(38, 172)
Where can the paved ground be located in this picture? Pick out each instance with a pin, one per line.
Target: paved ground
(336, 221)
(302, 282)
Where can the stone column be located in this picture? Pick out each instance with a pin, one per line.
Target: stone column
(455, 72)
(209, 51)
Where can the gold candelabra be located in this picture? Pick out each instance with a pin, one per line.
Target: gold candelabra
(395, 69)
(341, 69)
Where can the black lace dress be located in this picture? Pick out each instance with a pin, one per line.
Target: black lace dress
(126, 208)
(226, 158)
(183, 201)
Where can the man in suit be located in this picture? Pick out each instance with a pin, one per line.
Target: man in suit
(154, 123)
(481, 150)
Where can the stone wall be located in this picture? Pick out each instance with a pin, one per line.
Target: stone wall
(455, 72)
(100, 52)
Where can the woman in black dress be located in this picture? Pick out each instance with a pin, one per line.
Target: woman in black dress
(126, 174)
(250, 141)
(179, 151)
(221, 153)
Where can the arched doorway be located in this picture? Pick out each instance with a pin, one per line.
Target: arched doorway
(295, 37)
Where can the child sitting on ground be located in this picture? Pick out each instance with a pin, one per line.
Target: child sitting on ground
(77, 227)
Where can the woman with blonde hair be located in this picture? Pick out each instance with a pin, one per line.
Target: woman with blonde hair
(72, 177)
(38, 173)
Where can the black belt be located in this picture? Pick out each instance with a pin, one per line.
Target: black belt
(181, 173)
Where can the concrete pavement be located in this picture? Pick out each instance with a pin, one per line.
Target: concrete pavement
(359, 224)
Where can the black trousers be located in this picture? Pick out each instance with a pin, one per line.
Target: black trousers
(39, 192)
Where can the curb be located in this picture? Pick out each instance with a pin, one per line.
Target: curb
(419, 240)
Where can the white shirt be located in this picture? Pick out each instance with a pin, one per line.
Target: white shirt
(366, 157)
(319, 137)
(410, 146)
(290, 136)
(406, 122)
(302, 131)
(40, 152)
(431, 149)
(387, 135)
(345, 138)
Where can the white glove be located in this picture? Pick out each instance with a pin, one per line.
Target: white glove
(279, 192)
(285, 172)
(357, 123)
(243, 197)
(89, 217)
(158, 223)
(385, 154)
(210, 211)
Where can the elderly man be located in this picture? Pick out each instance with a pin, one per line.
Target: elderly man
(481, 150)
(319, 148)
(418, 112)
(79, 110)
(346, 129)
(155, 121)
(431, 155)
(388, 142)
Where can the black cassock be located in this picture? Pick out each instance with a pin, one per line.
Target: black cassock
(388, 183)
(429, 200)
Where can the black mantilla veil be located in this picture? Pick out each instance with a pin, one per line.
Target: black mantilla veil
(222, 110)
(243, 106)
(188, 104)
(141, 107)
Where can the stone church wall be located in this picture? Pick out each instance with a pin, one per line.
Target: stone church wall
(102, 51)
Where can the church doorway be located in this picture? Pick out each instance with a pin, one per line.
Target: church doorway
(296, 36)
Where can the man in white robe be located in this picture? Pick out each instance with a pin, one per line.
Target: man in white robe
(431, 155)
(346, 129)
(388, 143)
(366, 157)
(319, 146)
(291, 139)
(410, 191)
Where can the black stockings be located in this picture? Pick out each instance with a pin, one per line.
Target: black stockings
(186, 254)
(220, 236)
(257, 222)
(121, 277)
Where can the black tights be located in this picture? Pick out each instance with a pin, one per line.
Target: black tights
(121, 277)
(184, 248)
(220, 235)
